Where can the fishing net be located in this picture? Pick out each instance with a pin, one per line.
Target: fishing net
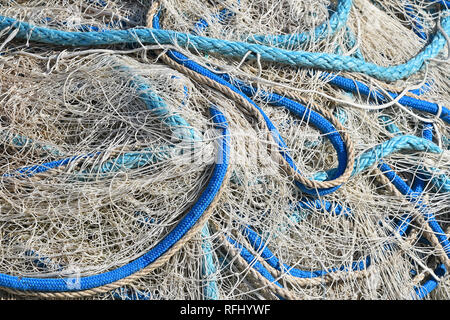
(108, 149)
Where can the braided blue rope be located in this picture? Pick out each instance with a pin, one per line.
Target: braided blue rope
(40, 168)
(231, 48)
(321, 123)
(187, 222)
(440, 181)
(253, 262)
(417, 189)
(412, 195)
(258, 244)
(431, 284)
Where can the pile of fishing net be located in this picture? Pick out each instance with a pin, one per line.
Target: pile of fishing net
(235, 149)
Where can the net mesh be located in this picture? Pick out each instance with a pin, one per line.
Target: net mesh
(96, 213)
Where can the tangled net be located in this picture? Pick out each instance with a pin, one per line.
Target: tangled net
(154, 168)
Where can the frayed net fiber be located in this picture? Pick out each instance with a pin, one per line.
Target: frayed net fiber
(236, 149)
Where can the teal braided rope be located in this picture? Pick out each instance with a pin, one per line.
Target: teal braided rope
(389, 125)
(129, 161)
(20, 141)
(327, 29)
(377, 153)
(209, 270)
(440, 181)
(326, 61)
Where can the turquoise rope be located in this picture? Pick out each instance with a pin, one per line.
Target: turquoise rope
(209, 269)
(231, 48)
(20, 141)
(327, 29)
(440, 181)
(381, 151)
(389, 125)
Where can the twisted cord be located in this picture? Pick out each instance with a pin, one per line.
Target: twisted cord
(233, 49)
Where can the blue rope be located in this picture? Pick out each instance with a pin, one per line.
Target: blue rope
(258, 244)
(431, 284)
(417, 26)
(413, 195)
(357, 87)
(40, 168)
(253, 262)
(187, 222)
(282, 56)
(231, 48)
(296, 108)
(256, 241)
